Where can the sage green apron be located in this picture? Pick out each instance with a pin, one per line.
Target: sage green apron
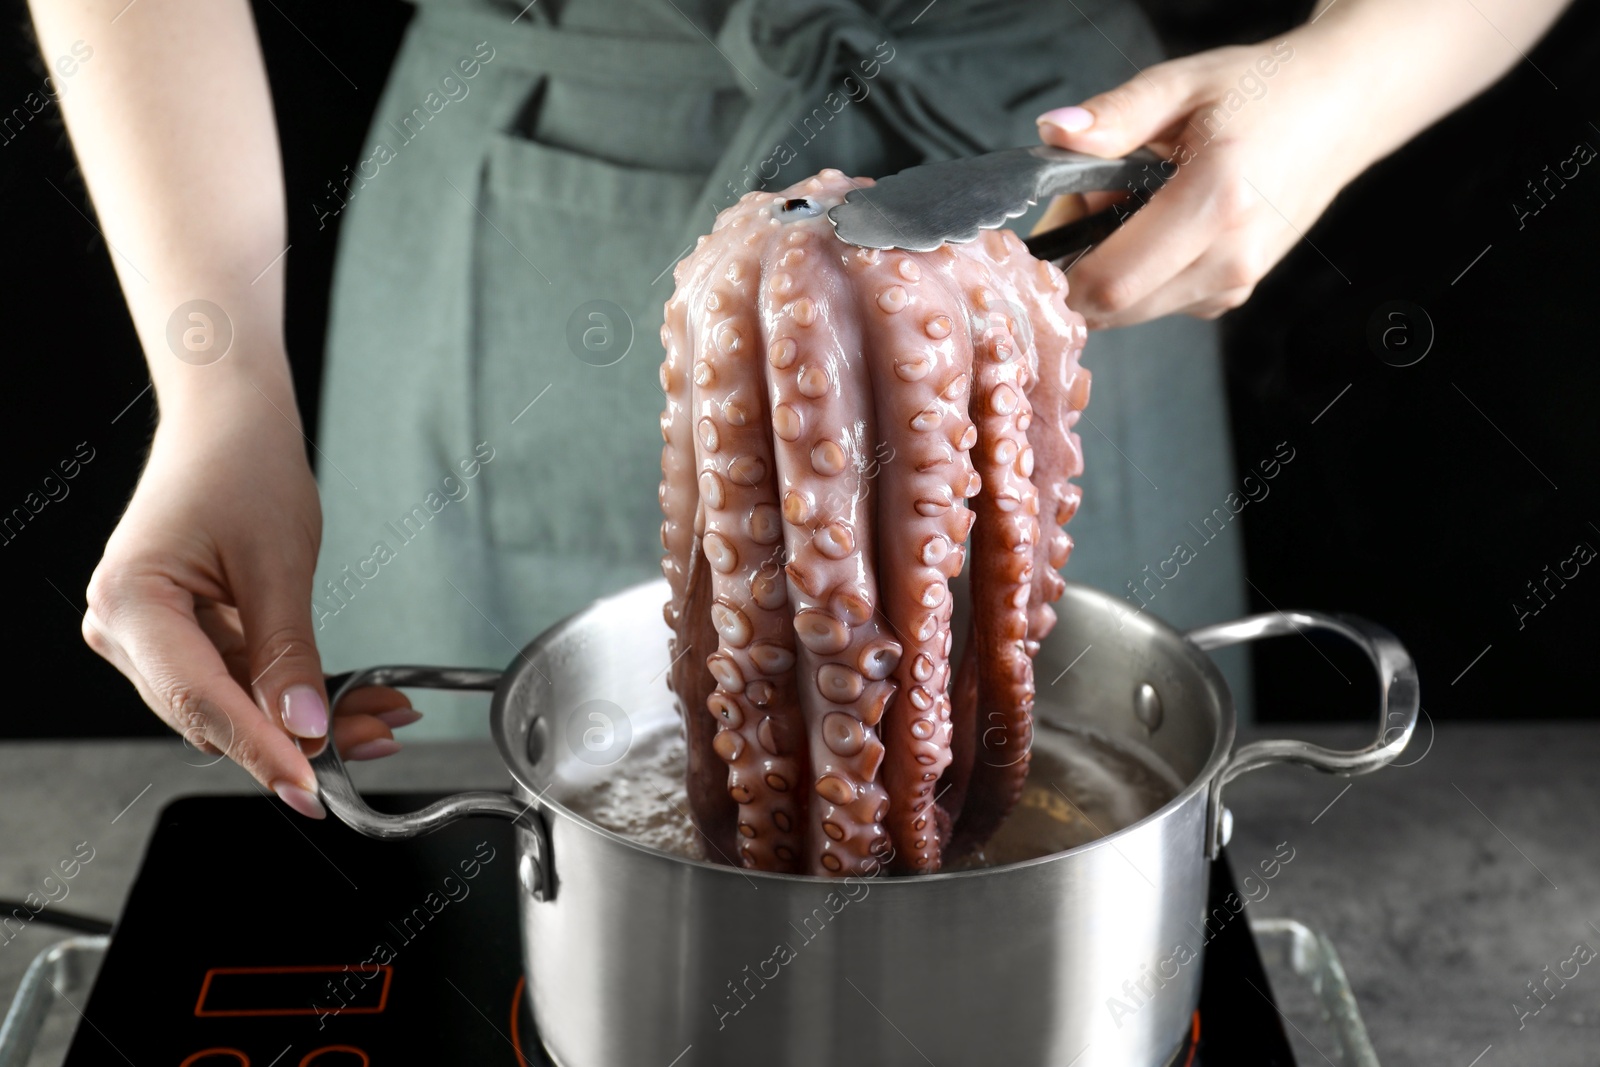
(489, 447)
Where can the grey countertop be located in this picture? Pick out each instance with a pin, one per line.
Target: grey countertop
(1446, 884)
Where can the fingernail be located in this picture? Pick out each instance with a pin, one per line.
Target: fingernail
(377, 748)
(302, 800)
(304, 714)
(1067, 119)
(399, 717)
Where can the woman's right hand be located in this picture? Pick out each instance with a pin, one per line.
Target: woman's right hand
(203, 597)
(203, 600)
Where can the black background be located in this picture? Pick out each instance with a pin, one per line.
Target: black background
(1425, 497)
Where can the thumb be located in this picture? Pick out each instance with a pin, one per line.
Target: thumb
(1120, 120)
(285, 668)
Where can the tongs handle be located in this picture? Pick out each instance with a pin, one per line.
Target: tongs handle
(1061, 171)
(1076, 235)
(1073, 172)
(953, 201)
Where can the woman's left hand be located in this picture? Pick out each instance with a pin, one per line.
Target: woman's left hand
(1260, 139)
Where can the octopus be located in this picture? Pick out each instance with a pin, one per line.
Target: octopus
(843, 427)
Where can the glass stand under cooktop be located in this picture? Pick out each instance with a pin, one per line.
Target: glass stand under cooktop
(1308, 981)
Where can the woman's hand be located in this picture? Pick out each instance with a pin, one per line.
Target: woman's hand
(1260, 139)
(203, 599)
(203, 596)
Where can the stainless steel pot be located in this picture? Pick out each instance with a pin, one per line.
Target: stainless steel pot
(637, 957)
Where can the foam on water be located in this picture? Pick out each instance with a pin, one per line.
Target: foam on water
(1080, 788)
(643, 798)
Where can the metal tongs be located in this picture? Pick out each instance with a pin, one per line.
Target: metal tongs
(923, 207)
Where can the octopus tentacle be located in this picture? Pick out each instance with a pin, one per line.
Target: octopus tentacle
(759, 736)
(1003, 538)
(710, 806)
(1058, 399)
(821, 406)
(678, 495)
(963, 697)
(688, 577)
(918, 362)
(828, 410)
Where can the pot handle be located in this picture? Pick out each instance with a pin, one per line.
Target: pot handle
(339, 793)
(1399, 701)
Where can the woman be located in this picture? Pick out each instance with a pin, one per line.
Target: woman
(489, 446)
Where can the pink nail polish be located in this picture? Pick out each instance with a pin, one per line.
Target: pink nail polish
(399, 717)
(377, 748)
(1067, 119)
(302, 800)
(304, 714)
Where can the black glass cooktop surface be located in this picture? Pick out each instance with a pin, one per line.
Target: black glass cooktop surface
(255, 938)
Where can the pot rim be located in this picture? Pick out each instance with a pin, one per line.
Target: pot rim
(1221, 750)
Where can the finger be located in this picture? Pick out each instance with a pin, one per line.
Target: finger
(1219, 280)
(389, 706)
(1062, 210)
(1219, 305)
(363, 720)
(1094, 203)
(1073, 206)
(376, 700)
(1180, 222)
(146, 628)
(363, 737)
(285, 670)
(220, 623)
(1146, 108)
(399, 717)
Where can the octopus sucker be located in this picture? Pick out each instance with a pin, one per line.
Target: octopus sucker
(679, 495)
(844, 429)
(689, 577)
(1058, 399)
(917, 412)
(963, 697)
(710, 806)
(762, 746)
(1002, 582)
(828, 534)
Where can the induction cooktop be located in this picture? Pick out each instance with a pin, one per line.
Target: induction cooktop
(254, 938)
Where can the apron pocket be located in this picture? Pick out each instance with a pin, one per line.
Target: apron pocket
(571, 268)
(533, 172)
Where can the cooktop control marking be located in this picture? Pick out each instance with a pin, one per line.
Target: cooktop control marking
(256, 991)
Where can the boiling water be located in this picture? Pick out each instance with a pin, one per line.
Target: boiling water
(644, 798)
(1080, 787)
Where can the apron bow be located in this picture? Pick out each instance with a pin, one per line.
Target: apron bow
(799, 45)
